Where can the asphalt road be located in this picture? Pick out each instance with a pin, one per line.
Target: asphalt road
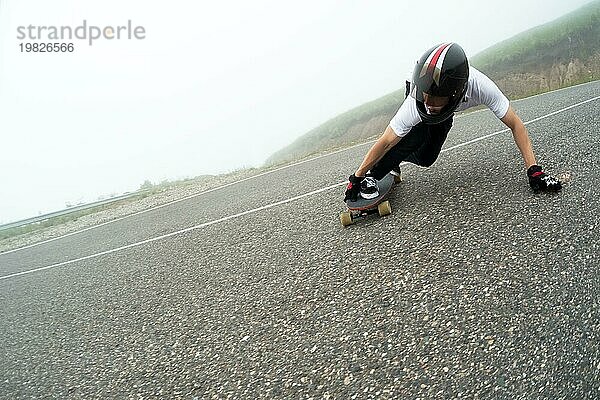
(474, 287)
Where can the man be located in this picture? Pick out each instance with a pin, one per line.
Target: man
(442, 83)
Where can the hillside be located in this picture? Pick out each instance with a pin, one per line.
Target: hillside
(350, 127)
(558, 54)
(561, 53)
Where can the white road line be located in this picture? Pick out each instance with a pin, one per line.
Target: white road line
(525, 123)
(268, 205)
(129, 246)
(270, 172)
(183, 199)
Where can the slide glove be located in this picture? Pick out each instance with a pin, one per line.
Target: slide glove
(353, 188)
(539, 180)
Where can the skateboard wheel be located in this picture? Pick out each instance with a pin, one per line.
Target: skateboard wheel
(384, 208)
(346, 218)
(398, 178)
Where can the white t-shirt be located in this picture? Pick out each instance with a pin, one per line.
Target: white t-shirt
(480, 90)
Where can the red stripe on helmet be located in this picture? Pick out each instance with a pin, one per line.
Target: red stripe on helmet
(436, 57)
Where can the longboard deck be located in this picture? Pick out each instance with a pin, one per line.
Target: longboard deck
(385, 185)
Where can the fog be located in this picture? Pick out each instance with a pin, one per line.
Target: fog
(209, 87)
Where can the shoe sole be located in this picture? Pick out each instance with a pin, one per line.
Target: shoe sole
(369, 196)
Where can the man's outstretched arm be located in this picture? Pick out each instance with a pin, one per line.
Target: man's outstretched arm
(520, 135)
(538, 179)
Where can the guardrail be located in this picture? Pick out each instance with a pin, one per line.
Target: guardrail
(66, 211)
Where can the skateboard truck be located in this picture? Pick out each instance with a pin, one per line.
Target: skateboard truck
(348, 217)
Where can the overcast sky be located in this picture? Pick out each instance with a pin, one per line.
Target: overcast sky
(214, 85)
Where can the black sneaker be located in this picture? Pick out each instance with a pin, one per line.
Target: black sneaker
(368, 188)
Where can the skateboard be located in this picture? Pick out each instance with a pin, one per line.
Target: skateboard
(364, 207)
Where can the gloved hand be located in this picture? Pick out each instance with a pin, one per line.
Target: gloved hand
(353, 188)
(539, 180)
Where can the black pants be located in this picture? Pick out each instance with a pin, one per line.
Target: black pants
(421, 146)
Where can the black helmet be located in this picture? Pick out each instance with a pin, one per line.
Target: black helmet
(442, 71)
